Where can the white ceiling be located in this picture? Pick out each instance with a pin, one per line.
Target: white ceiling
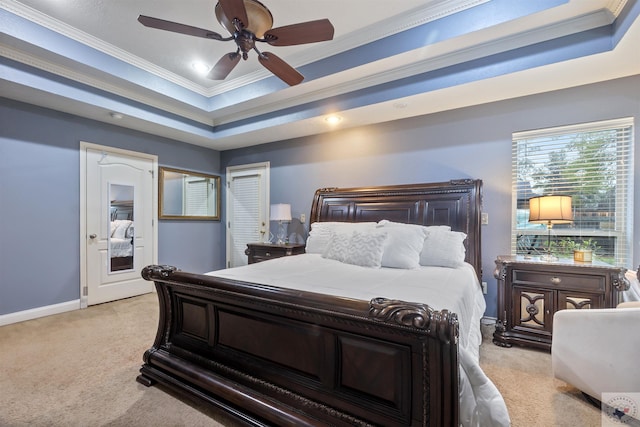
(108, 62)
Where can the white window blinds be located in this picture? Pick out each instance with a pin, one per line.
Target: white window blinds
(246, 220)
(592, 163)
(196, 197)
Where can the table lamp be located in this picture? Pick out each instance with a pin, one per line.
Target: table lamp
(550, 210)
(280, 212)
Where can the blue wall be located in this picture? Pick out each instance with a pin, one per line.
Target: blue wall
(39, 178)
(473, 142)
(40, 203)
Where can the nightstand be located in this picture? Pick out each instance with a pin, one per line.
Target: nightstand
(258, 252)
(530, 291)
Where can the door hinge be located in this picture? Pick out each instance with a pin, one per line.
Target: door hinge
(228, 224)
(228, 184)
(85, 291)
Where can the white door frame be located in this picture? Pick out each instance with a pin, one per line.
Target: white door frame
(84, 146)
(260, 166)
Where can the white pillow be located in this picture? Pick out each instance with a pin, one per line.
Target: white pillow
(443, 249)
(404, 244)
(426, 227)
(121, 229)
(322, 232)
(366, 249)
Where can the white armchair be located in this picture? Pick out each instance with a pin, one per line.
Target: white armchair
(597, 350)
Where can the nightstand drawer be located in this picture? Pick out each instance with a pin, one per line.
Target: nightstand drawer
(266, 253)
(562, 280)
(258, 252)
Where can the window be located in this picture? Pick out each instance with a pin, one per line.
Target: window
(592, 163)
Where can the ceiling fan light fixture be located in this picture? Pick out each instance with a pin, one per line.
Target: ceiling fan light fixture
(260, 18)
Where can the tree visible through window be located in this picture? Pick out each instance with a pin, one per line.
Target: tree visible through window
(592, 163)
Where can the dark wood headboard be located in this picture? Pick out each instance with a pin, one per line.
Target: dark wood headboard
(457, 203)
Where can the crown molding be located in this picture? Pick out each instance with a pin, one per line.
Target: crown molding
(477, 45)
(616, 6)
(73, 33)
(94, 82)
(376, 74)
(430, 12)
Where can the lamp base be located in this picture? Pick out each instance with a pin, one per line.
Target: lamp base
(548, 258)
(281, 237)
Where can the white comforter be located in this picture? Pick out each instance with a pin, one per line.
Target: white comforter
(121, 247)
(457, 290)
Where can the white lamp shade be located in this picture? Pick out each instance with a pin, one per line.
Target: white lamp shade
(280, 212)
(550, 210)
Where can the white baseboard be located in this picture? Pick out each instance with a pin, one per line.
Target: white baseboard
(488, 320)
(34, 313)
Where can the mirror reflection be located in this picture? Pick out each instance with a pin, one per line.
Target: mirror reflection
(121, 237)
(188, 195)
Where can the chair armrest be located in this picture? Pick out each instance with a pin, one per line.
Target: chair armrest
(629, 304)
(596, 350)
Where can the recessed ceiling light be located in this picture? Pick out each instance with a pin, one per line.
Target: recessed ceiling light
(200, 67)
(333, 119)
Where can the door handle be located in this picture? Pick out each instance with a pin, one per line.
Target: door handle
(93, 236)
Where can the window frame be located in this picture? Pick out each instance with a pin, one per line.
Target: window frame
(623, 219)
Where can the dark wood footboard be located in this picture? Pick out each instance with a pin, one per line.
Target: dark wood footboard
(272, 356)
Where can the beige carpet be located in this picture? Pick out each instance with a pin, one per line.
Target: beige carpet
(79, 369)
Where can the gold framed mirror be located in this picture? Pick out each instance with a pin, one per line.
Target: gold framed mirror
(188, 195)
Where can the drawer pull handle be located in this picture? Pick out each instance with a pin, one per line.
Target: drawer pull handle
(556, 280)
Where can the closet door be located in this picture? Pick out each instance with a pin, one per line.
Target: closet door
(247, 209)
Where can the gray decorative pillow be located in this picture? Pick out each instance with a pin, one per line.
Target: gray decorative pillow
(337, 247)
(366, 249)
(322, 232)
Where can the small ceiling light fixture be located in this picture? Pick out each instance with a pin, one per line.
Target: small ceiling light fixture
(115, 116)
(200, 67)
(333, 119)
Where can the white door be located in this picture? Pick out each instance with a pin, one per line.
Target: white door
(247, 209)
(119, 205)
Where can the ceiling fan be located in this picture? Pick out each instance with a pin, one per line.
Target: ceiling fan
(249, 21)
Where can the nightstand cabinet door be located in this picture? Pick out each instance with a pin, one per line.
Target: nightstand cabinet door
(572, 300)
(532, 311)
(530, 292)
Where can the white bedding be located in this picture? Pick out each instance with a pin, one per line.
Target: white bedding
(455, 289)
(121, 247)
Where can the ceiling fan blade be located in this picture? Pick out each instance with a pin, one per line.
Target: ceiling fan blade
(161, 24)
(224, 66)
(305, 32)
(281, 69)
(235, 9)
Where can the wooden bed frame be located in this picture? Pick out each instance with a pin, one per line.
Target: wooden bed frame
(273, 356)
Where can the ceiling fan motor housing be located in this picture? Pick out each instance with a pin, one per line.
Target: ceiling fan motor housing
(260, 19)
